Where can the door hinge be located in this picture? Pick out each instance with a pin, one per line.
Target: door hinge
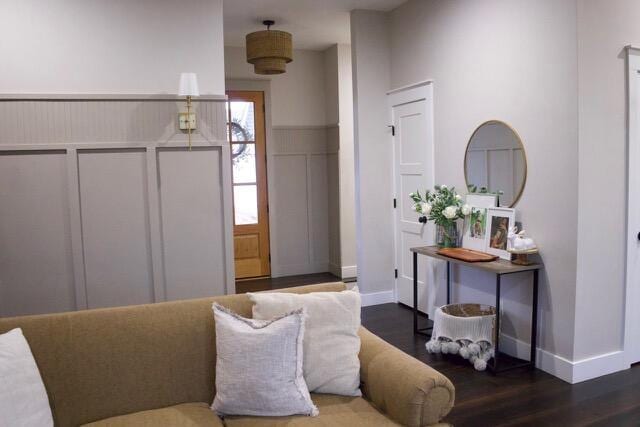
(267, 208)
(393, 130)
(396, 273)
(395, 203)
(269, 257)
(264, 109)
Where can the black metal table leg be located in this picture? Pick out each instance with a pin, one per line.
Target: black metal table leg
(415, 292)
(448, 283)
(496, 355)
(534, 320)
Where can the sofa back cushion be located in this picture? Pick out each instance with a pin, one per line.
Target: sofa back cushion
(101, 363)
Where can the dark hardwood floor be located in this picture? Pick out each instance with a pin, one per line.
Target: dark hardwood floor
(516, 398)
(268, 283)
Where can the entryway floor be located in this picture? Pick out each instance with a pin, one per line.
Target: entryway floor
(270, 283)
(519, 397)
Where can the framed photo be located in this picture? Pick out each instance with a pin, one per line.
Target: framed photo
(499, 221)
(475, 226)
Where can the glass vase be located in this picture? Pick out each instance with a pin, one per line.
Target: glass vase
(447, 235)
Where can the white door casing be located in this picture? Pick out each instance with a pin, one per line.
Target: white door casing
(411, 114)
(632, 303)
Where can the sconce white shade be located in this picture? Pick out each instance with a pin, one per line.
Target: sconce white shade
(188, 85)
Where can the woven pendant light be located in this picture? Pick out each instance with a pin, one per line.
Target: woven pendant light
(269, 50)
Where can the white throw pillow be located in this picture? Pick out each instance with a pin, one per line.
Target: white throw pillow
(259, 365)
(331, 341)
(23, 398)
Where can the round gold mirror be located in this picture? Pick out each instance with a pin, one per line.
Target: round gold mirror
(495, 162)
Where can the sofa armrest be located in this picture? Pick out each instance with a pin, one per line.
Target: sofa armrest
(407, 390)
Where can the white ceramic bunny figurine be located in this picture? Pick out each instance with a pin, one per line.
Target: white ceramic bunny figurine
(522, 243)
(511, 237)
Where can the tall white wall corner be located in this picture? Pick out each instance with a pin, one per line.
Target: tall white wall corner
(372, 153)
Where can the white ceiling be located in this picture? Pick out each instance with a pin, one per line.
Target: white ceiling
(315, 24)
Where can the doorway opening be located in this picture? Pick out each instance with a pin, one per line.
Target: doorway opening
(246, 133)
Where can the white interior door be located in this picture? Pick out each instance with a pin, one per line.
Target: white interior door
(632, 330)
(411, 112)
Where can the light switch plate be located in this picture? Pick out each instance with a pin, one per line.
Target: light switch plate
(186, 119)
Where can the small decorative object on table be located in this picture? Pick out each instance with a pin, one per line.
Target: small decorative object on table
(444, 207)
(521, 246)
(465, 329)
(499, 222)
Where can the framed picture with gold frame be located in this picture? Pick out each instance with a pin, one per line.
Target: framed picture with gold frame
(499, 221)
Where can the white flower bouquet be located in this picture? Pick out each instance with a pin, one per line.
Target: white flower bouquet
(444, 207)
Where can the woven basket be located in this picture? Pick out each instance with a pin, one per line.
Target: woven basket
(469, 311)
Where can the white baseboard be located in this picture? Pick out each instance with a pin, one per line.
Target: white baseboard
(296, 269)
(597, 366)
(570, 371)
(349, 272)
(376, 298)
(344, 272)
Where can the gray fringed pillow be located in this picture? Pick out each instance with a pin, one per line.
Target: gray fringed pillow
(259, 365)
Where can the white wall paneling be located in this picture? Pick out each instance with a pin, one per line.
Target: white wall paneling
(193, 226)
(299, 190)
(102, 204)
(115, 227)
(36, 273)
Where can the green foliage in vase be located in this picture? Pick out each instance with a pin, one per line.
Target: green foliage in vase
(473, 189)
(443, 205)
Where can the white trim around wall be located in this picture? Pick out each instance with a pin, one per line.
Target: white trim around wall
(570, 371)
(632, 294)
(377, 298)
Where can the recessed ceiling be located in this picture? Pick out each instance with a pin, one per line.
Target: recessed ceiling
(315, 24)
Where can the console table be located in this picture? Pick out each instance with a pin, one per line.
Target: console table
(500, 268)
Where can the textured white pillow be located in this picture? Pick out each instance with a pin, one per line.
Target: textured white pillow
(259, 365)
(331, 341)
(23, 398)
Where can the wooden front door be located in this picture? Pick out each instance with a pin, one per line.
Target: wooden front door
(246, 130)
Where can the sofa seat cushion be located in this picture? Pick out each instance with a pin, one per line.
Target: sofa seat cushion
(183, 415)
(335, 411)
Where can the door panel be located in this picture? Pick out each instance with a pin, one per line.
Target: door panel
(413, 169)
(246, 130)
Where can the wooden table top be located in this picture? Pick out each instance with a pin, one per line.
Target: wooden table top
(499, 266)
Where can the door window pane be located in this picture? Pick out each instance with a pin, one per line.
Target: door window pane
(242, 125)
(245, 204)
(244, 163)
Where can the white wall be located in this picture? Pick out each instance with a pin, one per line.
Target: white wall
(110, 46)
(297, 96)
(339, 111)
(517, 62)
(604, 29)
(374, 180)
(347, 163)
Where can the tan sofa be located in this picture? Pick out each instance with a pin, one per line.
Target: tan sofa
(154, 365)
